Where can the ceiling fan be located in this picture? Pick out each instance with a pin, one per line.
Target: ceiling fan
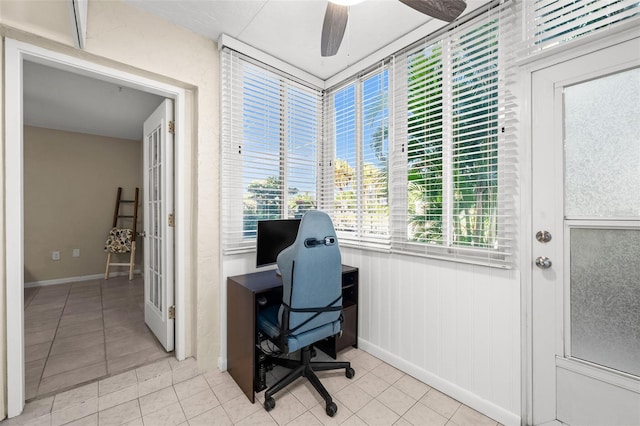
(335, 18)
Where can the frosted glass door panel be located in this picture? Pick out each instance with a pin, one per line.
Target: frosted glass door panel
(605, 297)
(602, 146)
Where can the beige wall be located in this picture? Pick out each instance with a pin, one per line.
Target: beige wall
(70, 184)
(123, 37)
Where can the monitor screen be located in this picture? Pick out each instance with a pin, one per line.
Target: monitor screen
(272, 237)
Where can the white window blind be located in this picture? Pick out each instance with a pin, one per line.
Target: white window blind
(357, 129)
(271, 128)
(453, 156)
(553, 22)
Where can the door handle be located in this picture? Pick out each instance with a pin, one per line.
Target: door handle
(543, 236)
(543, 262)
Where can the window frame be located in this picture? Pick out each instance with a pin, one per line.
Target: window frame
(236, 169)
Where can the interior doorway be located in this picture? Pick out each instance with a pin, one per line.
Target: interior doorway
(80, 326)
(16, 53)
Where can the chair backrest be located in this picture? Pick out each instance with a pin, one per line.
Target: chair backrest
(311, 273)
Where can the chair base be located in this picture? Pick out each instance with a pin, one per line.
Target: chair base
(306, 368)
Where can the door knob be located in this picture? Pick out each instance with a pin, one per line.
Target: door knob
(543, 262)
(543, 236)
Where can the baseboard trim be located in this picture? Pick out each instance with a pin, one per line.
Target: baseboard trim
(222, 363)
(463, 395)
(76, 279)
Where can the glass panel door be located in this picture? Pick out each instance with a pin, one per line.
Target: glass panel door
(602, 215)
(585, 289)
(602, 209)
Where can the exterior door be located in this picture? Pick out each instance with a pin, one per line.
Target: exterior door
(586, 239)
(158, 224)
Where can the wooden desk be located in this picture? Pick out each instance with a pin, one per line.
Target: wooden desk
(242, 293)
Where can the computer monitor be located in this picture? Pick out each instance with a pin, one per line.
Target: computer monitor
(272, 237)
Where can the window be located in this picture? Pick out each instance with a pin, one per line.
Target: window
(454, 157)
(358, 132)
(415, 156)
(442, 188)
(551, 23)
(271, 127)
(452, 139)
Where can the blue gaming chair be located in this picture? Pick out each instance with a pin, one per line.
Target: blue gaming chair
(311, 305)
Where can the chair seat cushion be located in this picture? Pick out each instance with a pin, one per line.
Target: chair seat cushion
(268, 323)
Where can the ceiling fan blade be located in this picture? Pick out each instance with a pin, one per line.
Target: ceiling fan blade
(445, 10)
(335, 22)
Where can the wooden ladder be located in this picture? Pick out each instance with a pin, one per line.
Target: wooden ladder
(134, 219)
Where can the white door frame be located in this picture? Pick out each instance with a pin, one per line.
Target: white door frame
(16, 53)
(528, 66)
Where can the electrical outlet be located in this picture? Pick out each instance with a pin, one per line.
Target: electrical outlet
(55, 255)
(76, 253)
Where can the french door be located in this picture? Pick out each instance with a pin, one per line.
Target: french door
(586, 239)
(158, 226)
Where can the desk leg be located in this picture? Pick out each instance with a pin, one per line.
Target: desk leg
(241, 337)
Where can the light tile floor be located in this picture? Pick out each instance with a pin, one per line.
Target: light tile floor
(169, 393)
(79, 332)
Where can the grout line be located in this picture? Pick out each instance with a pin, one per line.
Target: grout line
(96, 379)
(173, 386)
(31, 298)
(104, 328)
(51, 345)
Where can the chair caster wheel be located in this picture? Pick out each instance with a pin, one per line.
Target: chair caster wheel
(350, 372)
(332, 409)
(269, 404)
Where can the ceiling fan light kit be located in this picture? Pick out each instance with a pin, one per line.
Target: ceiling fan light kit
(346, 2)
(337, 13)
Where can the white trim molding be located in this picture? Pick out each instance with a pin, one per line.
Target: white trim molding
(226, 40)
(16, 52)
(76, 279)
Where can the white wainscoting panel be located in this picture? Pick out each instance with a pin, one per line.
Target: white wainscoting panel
(455, 326)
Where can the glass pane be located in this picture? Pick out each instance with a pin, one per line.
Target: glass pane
(345, 177)
(425, 132)
(602, 146)
(302, 131)
(262, 128)
(475, 137)
(375, 148)
(605, 297)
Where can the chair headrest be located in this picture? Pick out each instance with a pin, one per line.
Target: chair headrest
(316, 229)
(326, 241)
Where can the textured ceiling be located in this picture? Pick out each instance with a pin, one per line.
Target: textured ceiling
(61, 100)
(290, 29)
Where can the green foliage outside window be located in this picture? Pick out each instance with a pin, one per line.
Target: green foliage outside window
(472, 143)
(424, 146)
(263, 200)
